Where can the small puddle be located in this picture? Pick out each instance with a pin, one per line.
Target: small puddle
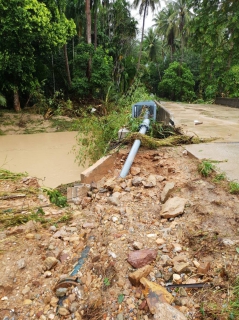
(47, 156)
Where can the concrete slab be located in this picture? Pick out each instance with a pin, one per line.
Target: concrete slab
(226, 153)
(98, 169)
(218, 121)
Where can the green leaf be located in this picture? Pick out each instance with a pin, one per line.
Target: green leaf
(237, 250)
(120, 298)
(106, 282)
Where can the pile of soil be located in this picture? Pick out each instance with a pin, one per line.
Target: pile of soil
(184, 226)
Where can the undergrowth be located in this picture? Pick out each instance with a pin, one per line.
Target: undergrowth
(205, 168)
(234, 187)
(10, 217)
(8, 175)
(56, 197)
(97, 133)
(234, 302)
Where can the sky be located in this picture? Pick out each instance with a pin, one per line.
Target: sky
(149, 18)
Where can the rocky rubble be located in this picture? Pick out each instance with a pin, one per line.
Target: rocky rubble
(128, 239)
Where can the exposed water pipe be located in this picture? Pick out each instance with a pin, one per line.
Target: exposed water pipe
(144, 127)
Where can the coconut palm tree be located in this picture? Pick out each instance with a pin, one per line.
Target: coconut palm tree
(151, 44)
(181, 16)
(144, 6)
(166, 26)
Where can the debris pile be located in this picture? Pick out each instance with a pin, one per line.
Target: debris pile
(143, 247)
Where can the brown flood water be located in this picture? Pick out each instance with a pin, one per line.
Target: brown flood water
(47, 156)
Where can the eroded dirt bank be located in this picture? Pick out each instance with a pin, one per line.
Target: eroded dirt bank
(189, 224)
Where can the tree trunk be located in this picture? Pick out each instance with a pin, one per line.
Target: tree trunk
(95, 30)
(16, 101)
(142, 36)
(88, 34)
(67, 65)
(88, 21)
(53, 73)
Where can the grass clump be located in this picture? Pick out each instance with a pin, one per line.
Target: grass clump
(205, 168)
(65, 125)
(234, 187)
(219, 177)
(8, 175)
(9, 217)
(234, 302)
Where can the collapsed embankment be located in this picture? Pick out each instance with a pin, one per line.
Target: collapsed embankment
(163, 217)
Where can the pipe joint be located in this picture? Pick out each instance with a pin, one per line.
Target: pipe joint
(144, 125)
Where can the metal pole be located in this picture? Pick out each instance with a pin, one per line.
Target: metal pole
(128, 163)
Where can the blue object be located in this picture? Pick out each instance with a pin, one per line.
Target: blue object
(137, 109)
(81, 261)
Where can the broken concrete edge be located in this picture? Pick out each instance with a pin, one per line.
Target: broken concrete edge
(99, 169)
(91, 175)
(164, 114)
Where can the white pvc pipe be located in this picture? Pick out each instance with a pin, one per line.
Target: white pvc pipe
(130, 159)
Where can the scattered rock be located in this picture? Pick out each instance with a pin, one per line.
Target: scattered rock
(140, 258)
(156, 293)
(61, 292)
(228, 242)
(180, 267)
(160, 178)
(177, 247)
(47, 274)
(137, 245)
(54, 301)
(114, 199)
(160, 241)
(60, 233)
(85, 201)
(82, 190)
(150, 182)
(165, 260)
(166, 191)
(21, 264)
(165, 311)
(137, 181)
(27, 302)
(135, 277)
(29, 236)
(196, 263)
(110, 184)
(173, 207)
(176, 278)
(50, 262)
(120, 316)
(63, 311)
(203, 268)
(135, 170)
(88, 225)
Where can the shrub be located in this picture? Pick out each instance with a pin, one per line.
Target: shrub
(211, 91)
(231, 82)
(177, 83)
(96, 133)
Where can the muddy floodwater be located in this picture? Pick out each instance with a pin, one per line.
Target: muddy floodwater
(47, 156)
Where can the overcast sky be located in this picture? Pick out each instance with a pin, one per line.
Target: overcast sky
(149, 18)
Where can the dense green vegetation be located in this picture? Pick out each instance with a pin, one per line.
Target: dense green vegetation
(89, 51)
